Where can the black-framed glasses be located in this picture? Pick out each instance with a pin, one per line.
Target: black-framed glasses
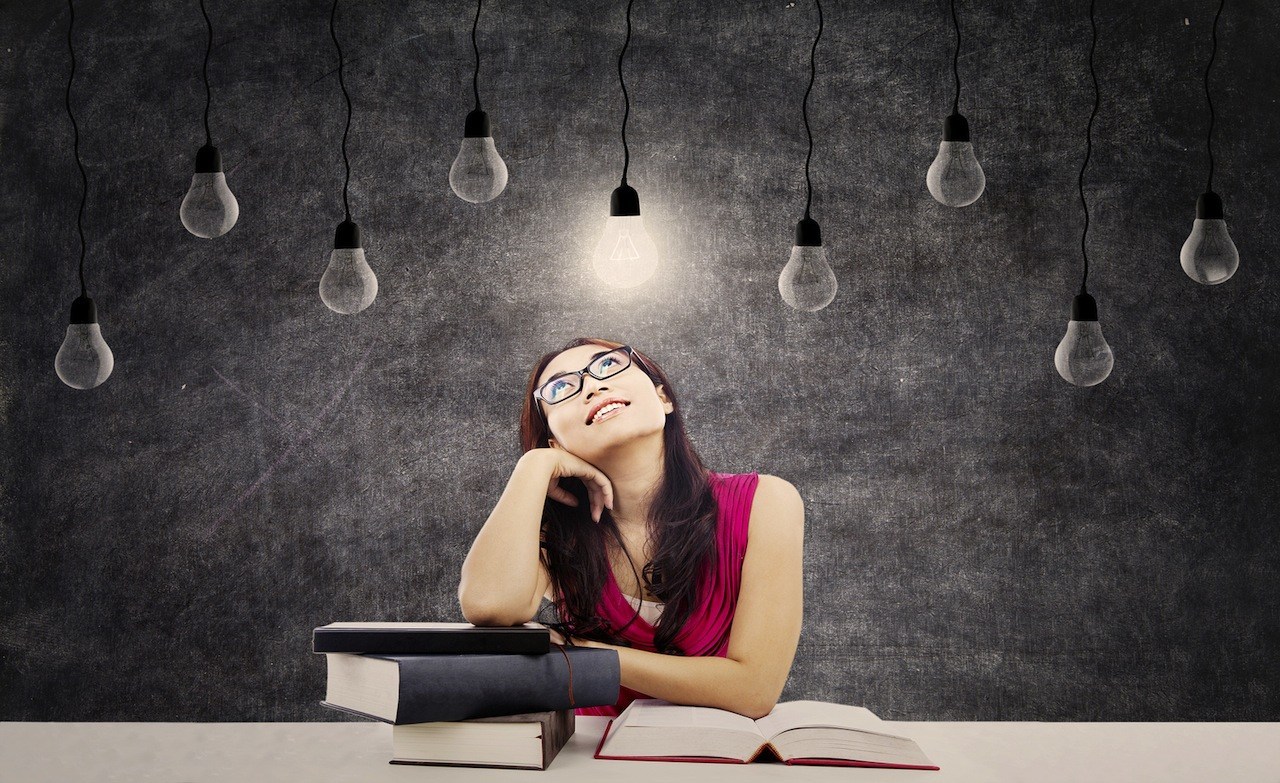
(604, 364)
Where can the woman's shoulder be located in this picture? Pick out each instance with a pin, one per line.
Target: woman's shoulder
(763, 481)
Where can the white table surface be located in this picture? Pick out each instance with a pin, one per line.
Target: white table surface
(989, 752)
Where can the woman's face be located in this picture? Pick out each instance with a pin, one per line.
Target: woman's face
(573, 426)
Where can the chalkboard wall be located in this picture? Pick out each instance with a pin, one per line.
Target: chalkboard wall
(983, 540)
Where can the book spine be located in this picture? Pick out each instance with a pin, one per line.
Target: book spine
(478, 642)
(462, 687)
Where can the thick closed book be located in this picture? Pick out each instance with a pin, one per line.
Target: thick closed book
(796, 732)
(436, 638)
(525, 741)
(400, 688)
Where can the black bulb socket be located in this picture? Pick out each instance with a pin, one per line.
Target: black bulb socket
(84, 311)
(347, 236)
(808, 233)
(477, 126)
(955, 128)
(1209, 206)
(1084, 308)
(208, 160)
(625, 202)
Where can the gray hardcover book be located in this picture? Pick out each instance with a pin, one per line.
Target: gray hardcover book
(423, 688)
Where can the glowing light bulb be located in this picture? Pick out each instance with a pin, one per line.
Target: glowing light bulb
(209, 209)
(1209, 256)
(955, 178)
(84, 360)
(1083, 357)
(478, 174)
(626, 255)
(807, 282)
(348, 284)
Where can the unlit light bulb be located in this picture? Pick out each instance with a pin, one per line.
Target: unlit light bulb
(1083, 356)
(807, 282)
(348, 284)
(478, 173)
(626, 255)
(84, 360)
(209, 209)
(1209, 256)
(955, 177)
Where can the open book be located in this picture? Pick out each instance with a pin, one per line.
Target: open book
(797, 732)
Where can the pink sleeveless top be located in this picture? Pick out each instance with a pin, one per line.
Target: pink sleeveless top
(707, 630)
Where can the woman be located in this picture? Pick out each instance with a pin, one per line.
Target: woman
(713, 617)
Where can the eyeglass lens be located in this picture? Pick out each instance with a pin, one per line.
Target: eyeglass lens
(564, 387)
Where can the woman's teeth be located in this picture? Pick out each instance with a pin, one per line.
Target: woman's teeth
(608, 411)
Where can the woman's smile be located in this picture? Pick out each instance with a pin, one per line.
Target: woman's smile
(610, 410)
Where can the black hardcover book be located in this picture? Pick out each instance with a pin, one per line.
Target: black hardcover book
(434, 638)
(423, 688)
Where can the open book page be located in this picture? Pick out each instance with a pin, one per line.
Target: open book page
(796, 714)
(658, 728)
(657, 712)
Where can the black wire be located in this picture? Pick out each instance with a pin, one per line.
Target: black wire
(208, 137)
(346, 182)
(84, 179)
(813, 72)
(626, 153)
(475, 79)
(955, 60)
(1088, 147)
(1208, 97)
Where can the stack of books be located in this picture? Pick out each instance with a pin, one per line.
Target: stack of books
(458, 694)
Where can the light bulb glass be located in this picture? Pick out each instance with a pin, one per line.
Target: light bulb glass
(348, 284)
(1083, 357)
(626, 255)
(209, 209)
(1209, 256)
(478, 174)
(84, 360)
(807, 282)
(955, 178)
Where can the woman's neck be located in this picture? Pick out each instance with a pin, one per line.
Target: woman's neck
(635, 473)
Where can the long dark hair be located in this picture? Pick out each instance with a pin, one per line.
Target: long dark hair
(683, 513)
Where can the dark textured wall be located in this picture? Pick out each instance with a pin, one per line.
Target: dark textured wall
(984, 541)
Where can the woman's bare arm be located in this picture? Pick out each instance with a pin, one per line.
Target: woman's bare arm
(502, 578)
(766, 623)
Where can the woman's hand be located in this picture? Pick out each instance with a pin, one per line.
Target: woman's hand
(566, 465)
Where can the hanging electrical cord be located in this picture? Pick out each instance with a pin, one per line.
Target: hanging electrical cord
(475, 77)
(208, 94)
(813, 72)
(1209, 98)
(626, 152)
(84, 179)
(955, 59)
(333, 13)
(1088, 147)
